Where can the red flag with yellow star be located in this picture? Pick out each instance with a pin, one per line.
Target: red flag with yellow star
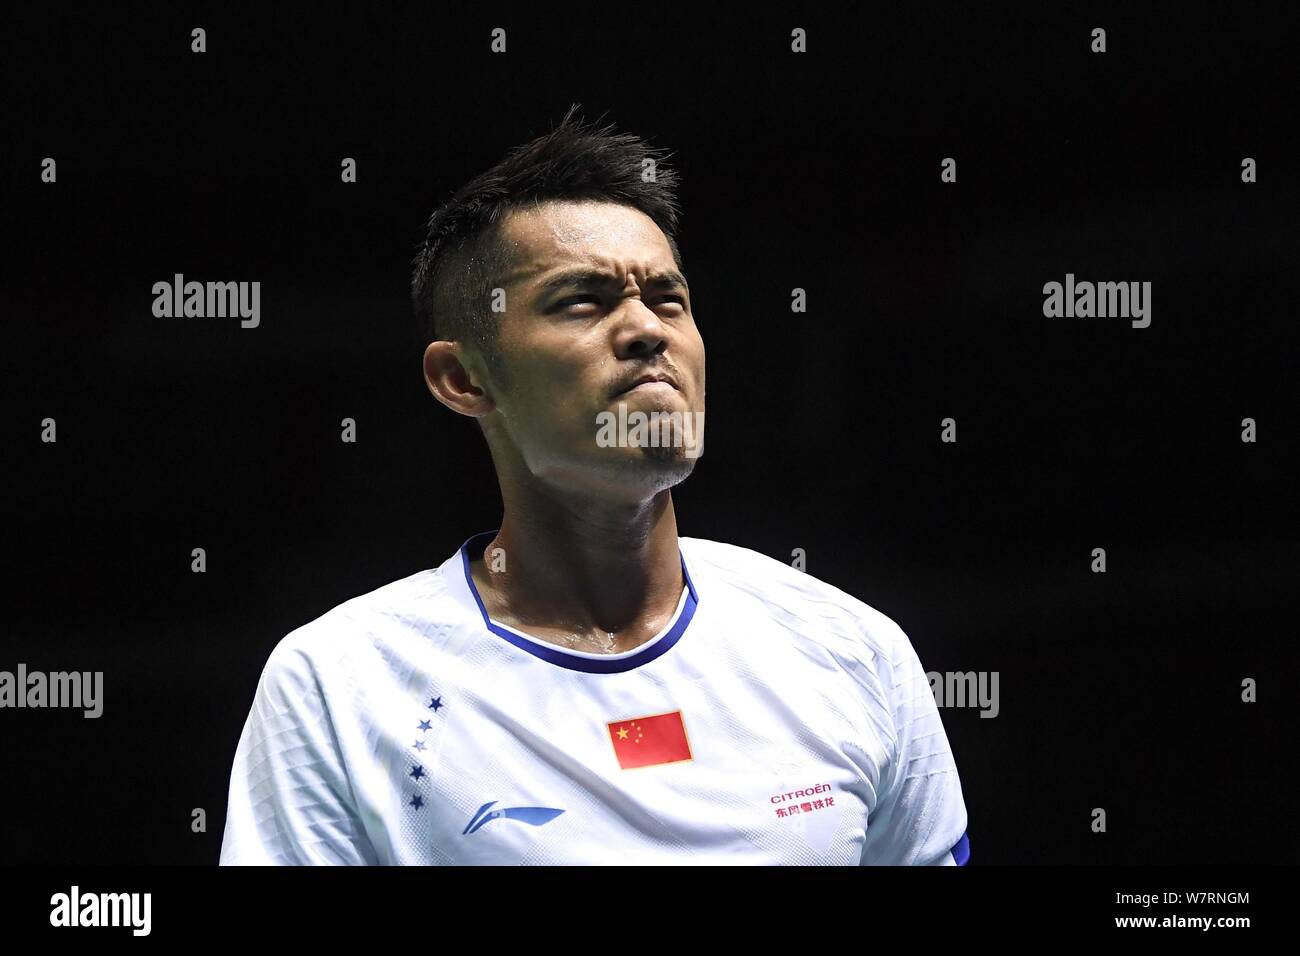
(645, 741)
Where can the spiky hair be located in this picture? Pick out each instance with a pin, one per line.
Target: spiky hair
(460, 259)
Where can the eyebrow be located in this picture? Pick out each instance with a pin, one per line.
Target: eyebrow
(587, 278)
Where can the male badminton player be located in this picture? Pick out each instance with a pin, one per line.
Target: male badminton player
(583, 685)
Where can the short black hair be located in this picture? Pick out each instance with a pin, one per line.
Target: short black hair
(460, 259)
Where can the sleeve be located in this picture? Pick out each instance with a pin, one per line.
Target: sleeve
(291, 802)
(920, 818)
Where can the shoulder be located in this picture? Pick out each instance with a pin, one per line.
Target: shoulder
(808, 604)
(343, 639)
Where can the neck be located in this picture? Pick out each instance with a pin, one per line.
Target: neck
(581, 565)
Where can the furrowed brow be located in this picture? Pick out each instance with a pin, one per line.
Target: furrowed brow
(575, 278)
(667, 280)
(588, 278)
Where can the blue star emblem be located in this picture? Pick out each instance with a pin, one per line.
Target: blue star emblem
(435, 703)
(417, 802)
(417, 771)
(426, 724)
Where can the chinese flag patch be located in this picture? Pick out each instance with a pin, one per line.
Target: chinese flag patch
(646, 741)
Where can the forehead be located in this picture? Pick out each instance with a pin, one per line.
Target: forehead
(539, 239)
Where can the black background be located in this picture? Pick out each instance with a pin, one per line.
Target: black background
(820, 171)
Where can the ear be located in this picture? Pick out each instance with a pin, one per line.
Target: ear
(451, 377)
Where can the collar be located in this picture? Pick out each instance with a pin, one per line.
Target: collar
(461, 583)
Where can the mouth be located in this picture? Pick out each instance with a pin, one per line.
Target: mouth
(649, 382)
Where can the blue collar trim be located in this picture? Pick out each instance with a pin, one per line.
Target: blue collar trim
(590, 663)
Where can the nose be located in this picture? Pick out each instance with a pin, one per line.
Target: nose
(639, 332)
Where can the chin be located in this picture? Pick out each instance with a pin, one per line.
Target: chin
(666, 467)
(644, 472)
(627, 474)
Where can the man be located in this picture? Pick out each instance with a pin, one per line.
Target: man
(582, 685)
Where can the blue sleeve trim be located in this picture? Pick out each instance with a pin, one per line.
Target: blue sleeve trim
(961, 852)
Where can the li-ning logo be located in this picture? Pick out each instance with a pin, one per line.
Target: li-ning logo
(534, 815)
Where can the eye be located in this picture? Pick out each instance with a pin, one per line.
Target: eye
(676, 300)
(576, 300)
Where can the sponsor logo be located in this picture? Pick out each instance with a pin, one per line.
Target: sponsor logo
(536, 816)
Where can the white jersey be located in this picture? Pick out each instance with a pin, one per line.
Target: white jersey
(775, 720)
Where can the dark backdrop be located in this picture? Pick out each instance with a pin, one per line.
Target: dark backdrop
(820, 171)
